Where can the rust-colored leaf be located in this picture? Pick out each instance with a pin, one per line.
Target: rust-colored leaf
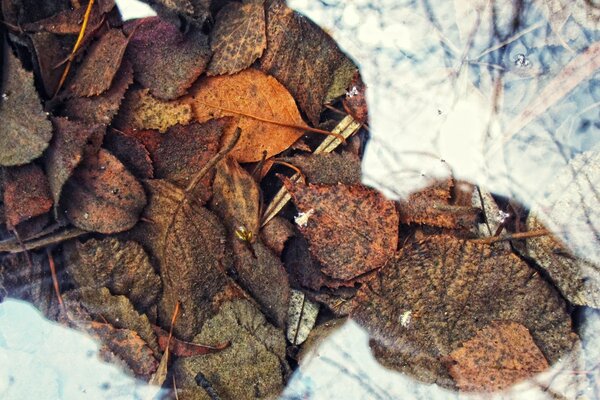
(140, 110)
(72, 140)
(355, 101)
(498, 356)
(25, 130)
(102, 108)
(276, 233)
(251, 93)
(68, 22)
(122, 267)
(301, 56)
(181, 348)
(131, 152)
(238, 37)
(26, 194)
(103, 196)
(351, 229)
(438, 293)
(328, 168)
(95, 74)
(165, 60)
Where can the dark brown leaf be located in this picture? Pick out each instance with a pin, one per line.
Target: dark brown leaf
(497, 357)
(72, 141)
(26, 194)
(164, 60)
(182, 348)
(25, 130)
(238, 37)
(131, 152)
(301, 56)
(328, 168)
(102, 109)
(50, 50)
(355, 101)
(351, 229)
(95, 74)
(122, 267)
(276, 233)
(438, 293)
(68, 22)
(255, 359)
(103, 196)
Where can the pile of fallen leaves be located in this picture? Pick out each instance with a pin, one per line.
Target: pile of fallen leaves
(147, 173)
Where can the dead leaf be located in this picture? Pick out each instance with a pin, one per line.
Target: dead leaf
(25, 130)
(72, 141)
(238, 37)
(328, 168)
(139, 110)
(102, 108)
(255, 359)
(182, 348)
(95, 74)
(189, 243)
(103, 196)
(438, 293)
(355, 101)
(497, 357)
(164, 60)
(276, 233)
(131, 152)
(26, 194)
(301, 56)
(50, 50)
(122, 267)
(302, 316)
(351, 229)
(68, 22)
(250, 93)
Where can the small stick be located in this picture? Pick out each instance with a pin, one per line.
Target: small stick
(512, 236)
(10, 247)
(54, 278)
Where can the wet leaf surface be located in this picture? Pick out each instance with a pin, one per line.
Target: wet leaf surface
(26, 194)
(351, 229)
(438, 293)
(103, 196)
(131, 152)
(238, 37)
(252, 93)
(25, 130)
(164, 60)
(497, 357)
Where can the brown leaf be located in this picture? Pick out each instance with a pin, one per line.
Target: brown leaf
(50, 50)
(131, 152)
(238, 37)
(328, 168)
(102, 108)
(255, 359)
(122, 267)
(25, 130)
(438, 293)
(95, 74)
(26, 194)
(351, 229)
(301, 56)
(68, 22)
(139, 110)
(182, 348)
(355, 102)
(164, 60)
(276, 233)
(72, 141)
(184, 150)
(252, 93)
(189, 243)
(103, 196)
(498, 356)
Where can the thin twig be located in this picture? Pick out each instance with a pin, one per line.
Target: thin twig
(54, 278)
(512, 236)
(11, 247)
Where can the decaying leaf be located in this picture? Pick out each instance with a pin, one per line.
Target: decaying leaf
(50, 50)
(26, 194)
(351, 229)
(238, 37)
(185, 149)
(355, 101)
(25, 130)
(251, 93)
(182, 348)
(189, 243)
(302, 315)
(497, 357)
(328, 168)
(140, 110)
(102, 108)
(122, 267)
(100, 304)
(276, 233)
(255, 359)
(131, 152)
(301, 56)
(103, 196)
(164, 60)
(438, 293)
(68, 22)
(72, 141)
(95, 74)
